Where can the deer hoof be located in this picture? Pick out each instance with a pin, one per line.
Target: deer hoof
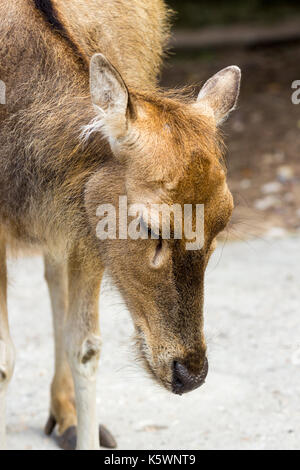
(67, 441)
(106, 438)
(50, 425)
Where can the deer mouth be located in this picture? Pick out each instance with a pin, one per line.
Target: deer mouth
(145, 358)
(161, 374)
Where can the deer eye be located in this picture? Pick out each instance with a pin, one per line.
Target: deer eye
(152, 233)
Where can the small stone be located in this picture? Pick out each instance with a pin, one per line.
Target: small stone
(267, 202)
(245, 183)
(272, 187)
(153, 428)
(275, 233)
(285, 173)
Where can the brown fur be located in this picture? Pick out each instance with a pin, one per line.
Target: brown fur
(51, 183)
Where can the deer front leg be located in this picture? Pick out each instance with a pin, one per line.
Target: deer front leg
(6, 347)
(62, 409)
(83, 345)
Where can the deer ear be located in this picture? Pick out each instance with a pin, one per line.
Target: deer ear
(220, 93)
(109, 94)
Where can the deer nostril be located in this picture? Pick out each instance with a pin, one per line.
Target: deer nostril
(178, 381)
(185, 381)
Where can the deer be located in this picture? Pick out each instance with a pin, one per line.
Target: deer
(85, 122)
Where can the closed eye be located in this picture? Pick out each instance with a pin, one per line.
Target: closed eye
(152, 234)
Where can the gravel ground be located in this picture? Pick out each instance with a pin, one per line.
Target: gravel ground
(251, 398)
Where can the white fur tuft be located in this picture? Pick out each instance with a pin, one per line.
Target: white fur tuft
(96, 125)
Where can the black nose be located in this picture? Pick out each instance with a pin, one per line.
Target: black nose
(184, 381)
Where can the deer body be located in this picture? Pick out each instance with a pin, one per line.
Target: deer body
(51, 183)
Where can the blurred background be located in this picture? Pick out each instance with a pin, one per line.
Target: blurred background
(263, 38)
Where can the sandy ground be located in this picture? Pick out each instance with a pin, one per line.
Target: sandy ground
(252, 396)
